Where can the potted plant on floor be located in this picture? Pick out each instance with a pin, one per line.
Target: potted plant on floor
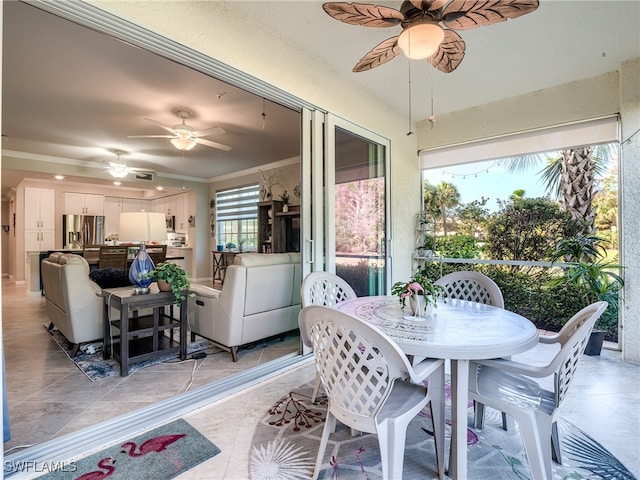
(421, 292)
(591, 273)
(170, 278)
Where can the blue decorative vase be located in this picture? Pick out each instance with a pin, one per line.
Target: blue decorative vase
(141, 264)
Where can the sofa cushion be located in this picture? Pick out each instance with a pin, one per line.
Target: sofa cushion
(110, 277)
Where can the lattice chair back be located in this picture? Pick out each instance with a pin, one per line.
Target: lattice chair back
(357, 363)
(325, 288)
(573, 339)
(472, 286)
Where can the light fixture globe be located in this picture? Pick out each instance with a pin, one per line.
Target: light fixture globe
(421, 40)
(183, 143)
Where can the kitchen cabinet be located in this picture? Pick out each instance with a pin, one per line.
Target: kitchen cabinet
(83, 204)
(39, 218)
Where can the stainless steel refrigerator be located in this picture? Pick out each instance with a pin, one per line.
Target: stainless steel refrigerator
(79, 230)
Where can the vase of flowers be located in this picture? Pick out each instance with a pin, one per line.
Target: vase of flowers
(421, 292)
(285, 201)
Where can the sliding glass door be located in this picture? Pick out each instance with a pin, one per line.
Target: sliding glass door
(348, 225)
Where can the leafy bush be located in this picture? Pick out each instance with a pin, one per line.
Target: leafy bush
(528, 229)
(458, 246)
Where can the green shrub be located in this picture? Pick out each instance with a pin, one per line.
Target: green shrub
(458, 246)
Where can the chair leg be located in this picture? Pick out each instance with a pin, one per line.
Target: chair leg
(329, 426)
(234, 354)
(555, 444)
(535, 431)
(478, 415)
(74, 351)
(392, 439)
(316, 389)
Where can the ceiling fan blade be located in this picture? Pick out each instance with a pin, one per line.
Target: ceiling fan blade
(209, 143)
(449, 54)
(381, 53)
(208, 131)
(152, 136)
(363, 14)
(161, 125)
(466, 14)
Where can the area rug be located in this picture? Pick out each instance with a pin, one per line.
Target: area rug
(89, 358)
(286, 442)
(159, 454)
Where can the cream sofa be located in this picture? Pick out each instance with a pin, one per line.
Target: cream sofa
(260, 298)
(74, 304)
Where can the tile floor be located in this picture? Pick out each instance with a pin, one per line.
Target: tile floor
(603, 400)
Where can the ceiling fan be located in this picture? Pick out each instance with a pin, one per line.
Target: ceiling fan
(184, 137)
(119, 169)
(427, 27)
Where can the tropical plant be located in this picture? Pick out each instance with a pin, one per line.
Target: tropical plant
(418, 284)
(174, 275)
(439, 199)
(598, 278)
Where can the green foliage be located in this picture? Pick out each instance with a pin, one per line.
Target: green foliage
(528, 229)
(534, 295)
(458, 246)
(418, 284)
(174, 275)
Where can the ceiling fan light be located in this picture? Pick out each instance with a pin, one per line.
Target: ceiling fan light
(183, 143)
(421, 41)
(118, 170)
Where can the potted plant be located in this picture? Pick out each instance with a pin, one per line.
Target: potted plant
(421, 292)
(230, 246)
(285, 201)
(170, 277)
(591, 273)
(427, 247)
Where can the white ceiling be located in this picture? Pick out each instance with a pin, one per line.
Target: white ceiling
(71, 93)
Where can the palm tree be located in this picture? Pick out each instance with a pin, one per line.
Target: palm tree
(571, 178)
(438, 199)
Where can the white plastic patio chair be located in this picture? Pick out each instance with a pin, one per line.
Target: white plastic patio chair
(472, 286)
(371, 386)
(475, 287)
(328, 289)
(509, 387)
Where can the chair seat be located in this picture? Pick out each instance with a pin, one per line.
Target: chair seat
(516, 390)
(403, 399)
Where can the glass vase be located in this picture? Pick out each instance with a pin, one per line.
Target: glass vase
(141, 264)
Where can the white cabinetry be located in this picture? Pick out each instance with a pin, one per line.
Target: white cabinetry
(39, 218)
(83, 204)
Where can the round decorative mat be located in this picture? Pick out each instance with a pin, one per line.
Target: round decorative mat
(286, 440)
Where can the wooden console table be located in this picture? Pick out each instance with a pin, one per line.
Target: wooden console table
(221, 260)
(142, 337)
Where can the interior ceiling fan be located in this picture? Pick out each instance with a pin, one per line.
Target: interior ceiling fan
(119, 169)
(427, 27)
(184, 137)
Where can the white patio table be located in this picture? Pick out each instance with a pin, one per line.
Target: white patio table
(457, 330)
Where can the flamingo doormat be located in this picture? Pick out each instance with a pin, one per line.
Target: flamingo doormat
(159, 454)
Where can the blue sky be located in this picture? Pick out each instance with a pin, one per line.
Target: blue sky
(487, 179)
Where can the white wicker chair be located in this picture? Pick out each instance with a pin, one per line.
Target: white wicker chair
(509, 386)
(371, 386)
(328, 289)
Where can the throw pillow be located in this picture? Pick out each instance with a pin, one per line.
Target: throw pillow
(110, 277)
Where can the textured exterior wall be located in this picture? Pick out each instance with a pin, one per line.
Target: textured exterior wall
(630, 202)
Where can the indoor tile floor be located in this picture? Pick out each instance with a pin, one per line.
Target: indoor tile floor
(603, 400)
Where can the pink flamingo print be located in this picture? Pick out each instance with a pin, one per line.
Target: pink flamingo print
(98, 474)
(156, 444)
